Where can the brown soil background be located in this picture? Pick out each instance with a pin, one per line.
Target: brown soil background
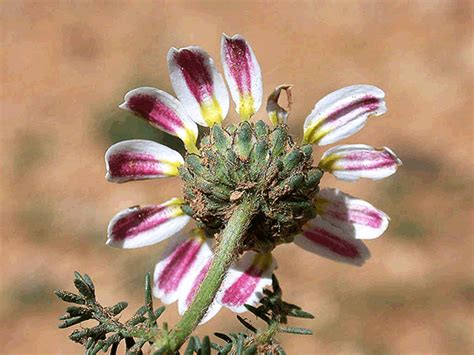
(64, 69)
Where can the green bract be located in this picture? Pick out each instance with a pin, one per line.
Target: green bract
(259, 161)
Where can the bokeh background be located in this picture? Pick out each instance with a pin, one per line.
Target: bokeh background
(65, 66)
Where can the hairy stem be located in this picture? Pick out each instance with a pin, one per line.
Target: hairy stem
(224, 255)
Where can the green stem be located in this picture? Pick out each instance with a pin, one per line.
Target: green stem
(224, 255)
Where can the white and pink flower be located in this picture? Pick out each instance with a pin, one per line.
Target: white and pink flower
(342, 223)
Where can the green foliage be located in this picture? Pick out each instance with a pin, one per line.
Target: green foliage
(142, 328)
(252, 160)
(273, 311)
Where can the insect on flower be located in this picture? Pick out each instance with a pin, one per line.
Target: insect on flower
(247, 161)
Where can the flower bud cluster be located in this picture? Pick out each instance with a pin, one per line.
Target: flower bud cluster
(252, 161)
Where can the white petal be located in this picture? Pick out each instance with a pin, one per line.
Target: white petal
(198, 85)
(356, 217)
(184, 254)
(164, 112)
(141, 159)
(322, 238)
(245, 281)
(343, 113)
(353, 161)
(243, 75)
(138, 226)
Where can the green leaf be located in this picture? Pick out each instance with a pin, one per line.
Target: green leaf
(295, 330)
(77, 335)
(109, 331)
(136, 320)
(190, 348)
(226, 349)
(149, 299)
(90, 342)
(113, 339)
(148, 291)
(140, 311)
(77, 311)
(216, 346)
(116, 309)
(206, 346)
(252, 350)
(258, 312)
(72, 321)
(159, 311)
(99, 330)
(299, 313)
(224, 337)
(89, 282)
(280, 351)
(98, 347)
(247, 324)
(69, 297)
(84, 285)
(197, 342)
(84, 289)
(136, 348)
(240, 344)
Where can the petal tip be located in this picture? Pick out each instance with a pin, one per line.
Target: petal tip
(124, 106)
(111, 243)
(394, 156)
(174, 50)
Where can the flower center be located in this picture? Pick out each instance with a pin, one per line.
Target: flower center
(252, 160)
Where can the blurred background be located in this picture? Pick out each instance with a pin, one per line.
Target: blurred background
(65, 66)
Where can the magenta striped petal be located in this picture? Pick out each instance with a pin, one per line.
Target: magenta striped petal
(138, 226)
(141, 159)
(276, 113)
(243, 75)
(245, 281)
(191, 286)
(343, 113)
(164, 112)
(184, 254)
(198, 85)
(322, 238)
(353, 161)
(354, 216)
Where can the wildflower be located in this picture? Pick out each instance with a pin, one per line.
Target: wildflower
(244, 164)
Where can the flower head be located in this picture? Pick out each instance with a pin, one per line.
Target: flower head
(241, 162)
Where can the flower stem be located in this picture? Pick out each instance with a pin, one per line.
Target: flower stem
(224, 255)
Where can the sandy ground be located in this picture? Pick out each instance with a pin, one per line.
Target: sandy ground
(64, 69)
